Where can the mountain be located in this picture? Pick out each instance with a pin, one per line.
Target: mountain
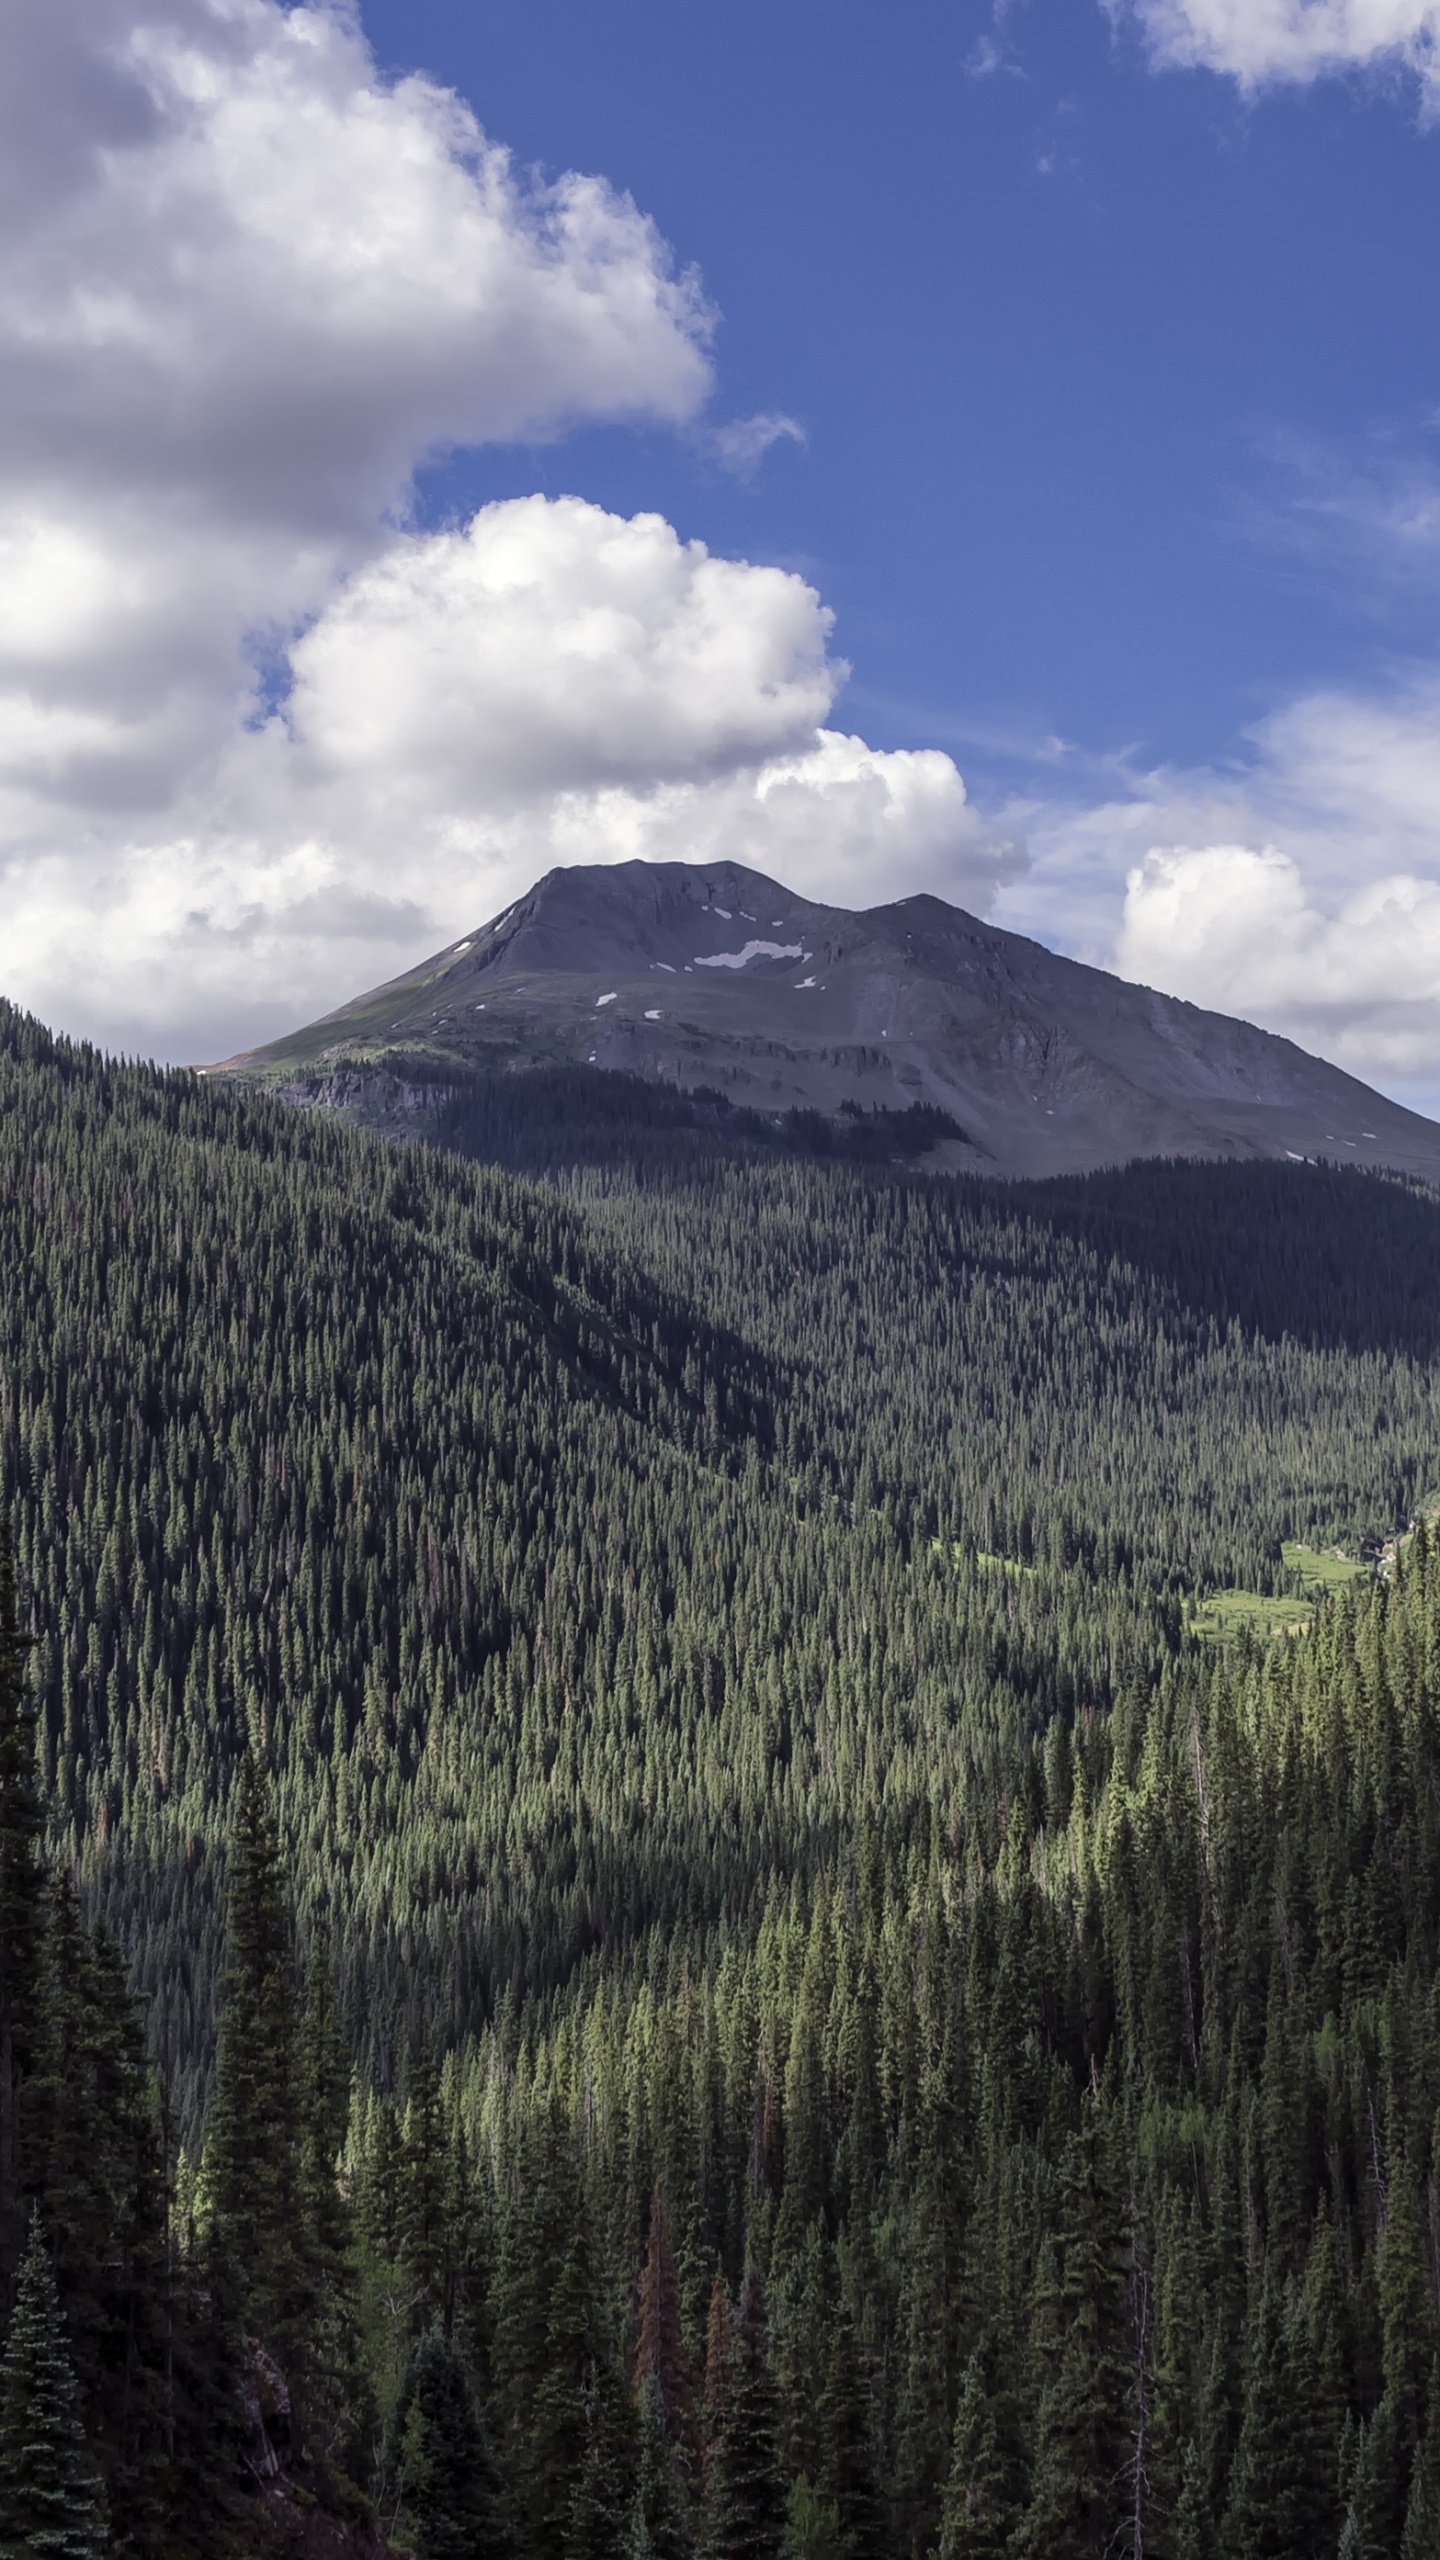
(713, 976)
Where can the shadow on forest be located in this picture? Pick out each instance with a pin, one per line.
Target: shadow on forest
(1327, 1256)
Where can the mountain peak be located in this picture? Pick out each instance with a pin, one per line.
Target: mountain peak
(712, 974)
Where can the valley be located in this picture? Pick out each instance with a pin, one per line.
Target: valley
(705, 1768)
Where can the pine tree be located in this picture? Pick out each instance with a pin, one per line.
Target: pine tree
(1376, 2516)
(253, 2151)
(848, 2478)
(423, 2178)
(338, 2391)
(1079, 2492)
(1421, 2539)
(660, 2348)
(446, 2475)
(1273, 2488)
(744, 2491)
(978, 2513)
(812, 2526)
(1194, 2530)
(50, 2501)
(22, 1915)
(659, 2520)
(600, 2509)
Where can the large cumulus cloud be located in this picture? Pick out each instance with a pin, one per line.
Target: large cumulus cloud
(550, 684)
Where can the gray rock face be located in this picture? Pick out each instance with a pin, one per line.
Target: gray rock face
(713, 975)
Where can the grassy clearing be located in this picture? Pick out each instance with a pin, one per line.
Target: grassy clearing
(1321, 1572)
(1226, 1612)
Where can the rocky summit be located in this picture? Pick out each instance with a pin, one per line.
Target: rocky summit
(714, 976)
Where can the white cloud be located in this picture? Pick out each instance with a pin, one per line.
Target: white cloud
(1300, 889)
(551, 646)
(742, 444)
(549, 684)
(1360, 982)
(1262, 41)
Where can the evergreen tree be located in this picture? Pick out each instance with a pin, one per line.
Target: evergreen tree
(1194, 2530)
(22, 1915)
(1421, 2539)
(1079, 2492)
(660, 2347)
(338, 2390)
(978, 2514)
(254, 2151)
(848, 2479)
(1273, 2491)
(447, 2480)
(50, 2502)
(812, 2526)
(659, 2521)
(745, 2503)
(600, 2512)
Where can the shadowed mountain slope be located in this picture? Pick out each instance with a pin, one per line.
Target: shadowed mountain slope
(713, 976)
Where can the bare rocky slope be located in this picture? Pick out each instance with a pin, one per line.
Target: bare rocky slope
(712, 975)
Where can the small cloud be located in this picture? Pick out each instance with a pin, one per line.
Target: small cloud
(988, 58)
(742, 445)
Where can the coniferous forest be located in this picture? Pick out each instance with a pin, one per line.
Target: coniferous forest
(637, 1920)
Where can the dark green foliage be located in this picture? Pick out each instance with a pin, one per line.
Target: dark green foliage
(659, 2527)
(50, 2504)
(978, 2513)
(1078, 2343)
(22, 1889)
(255, 2139)
(1276, 2493)
(679, 1680)
(449, 2489)
(745, 2505)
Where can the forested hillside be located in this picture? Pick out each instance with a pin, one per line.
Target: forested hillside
(768, 1995)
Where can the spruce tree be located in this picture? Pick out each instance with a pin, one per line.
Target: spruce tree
(848, 2479)
(446, 2476)
(812, 2526)
(22, 1917)
(659, 2517)
(1079, 2491)
(1421, 2538)
(1273, 2488)
(660, 2347)
(254, 2166)
(50, 2501)
(338, 2390)
(978, 2512)
(745, 2504)
(600, 2510)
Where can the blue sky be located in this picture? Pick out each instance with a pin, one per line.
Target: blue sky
(1084, 353)
(992, 449)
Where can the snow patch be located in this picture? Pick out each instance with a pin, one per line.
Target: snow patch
(610, 999)
(752, 951)
(804, 982)
(653, 1017)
